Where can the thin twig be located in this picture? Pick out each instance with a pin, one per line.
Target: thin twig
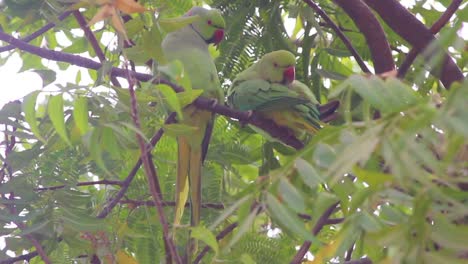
(274, 130)
(436, 27)
(38, 33)
(321, 222)
(152, 177)
(106, 182)
(93, 41)
(340, 34)
(220, 236)
(126, 183)
(25, 257)
(135, 203)
(40, 250)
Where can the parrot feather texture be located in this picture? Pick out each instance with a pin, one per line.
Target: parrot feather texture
(269, 88)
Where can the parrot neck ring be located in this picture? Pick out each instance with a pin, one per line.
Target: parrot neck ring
(217, 37)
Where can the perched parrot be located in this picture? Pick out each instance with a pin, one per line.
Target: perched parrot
(190, 45)
(269, 88)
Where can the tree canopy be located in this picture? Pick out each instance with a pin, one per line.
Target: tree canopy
(88, 168)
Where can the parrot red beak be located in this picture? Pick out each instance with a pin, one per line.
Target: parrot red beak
(218, 36)
(289, 75)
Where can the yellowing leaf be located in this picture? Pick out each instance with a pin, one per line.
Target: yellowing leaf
(129, 6)
(104, 12)
(326, 252)
(124, 258)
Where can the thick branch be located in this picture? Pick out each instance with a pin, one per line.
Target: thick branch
(278, 132)
(370, 27)
(340, 34)
(438, 25)
(412, 30)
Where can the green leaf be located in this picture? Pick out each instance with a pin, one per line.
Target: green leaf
(176, 23)
(47, 76)
(95, 149)
(291, 196)
(308, 174)
(34, 228)
(373, 178)
(187, 97)
(205, 235)
(29, 109)
(56, 114)
(171, 98)
(288, 219)
(243, 227)
(228, 211)
(80, 114)
(448, 235)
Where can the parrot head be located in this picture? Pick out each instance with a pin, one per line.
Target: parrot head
(278, 67)
(210, 26)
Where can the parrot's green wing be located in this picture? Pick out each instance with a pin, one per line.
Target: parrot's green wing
(260, 95)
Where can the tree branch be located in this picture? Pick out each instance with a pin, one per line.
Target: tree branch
(38, 33)
(438, 25)
(412, 30)
(218, 206)
(152, 176)
(25, 257)
(107, 182)
(220, 236)
(94, 42)
(274, 130)
(370, 27)
(340, 34)
(126, 183)
(321, 222)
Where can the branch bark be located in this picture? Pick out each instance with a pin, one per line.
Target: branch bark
(321, 222)
(152, 176)
(438, 25)
(274, 130)
(126, 183)
(340, 34)
(370, 27)
(412, 30)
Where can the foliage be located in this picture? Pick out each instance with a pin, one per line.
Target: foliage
(387, 180)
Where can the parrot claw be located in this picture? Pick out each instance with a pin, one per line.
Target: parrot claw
(214, 102)
(249, 116)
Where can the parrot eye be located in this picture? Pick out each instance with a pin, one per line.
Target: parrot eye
(210, 22)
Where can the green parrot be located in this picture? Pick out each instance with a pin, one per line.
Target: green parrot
(190, 46)
(269, 88)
